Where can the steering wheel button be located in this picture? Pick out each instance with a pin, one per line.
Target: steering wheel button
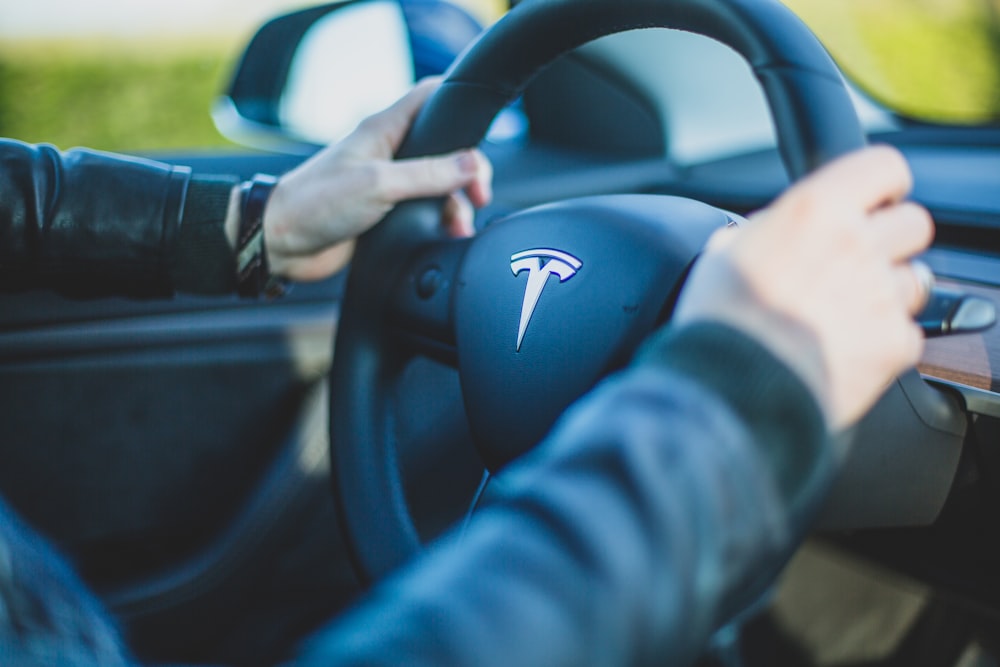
(429, 282)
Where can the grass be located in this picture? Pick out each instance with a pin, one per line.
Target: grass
(933, 59)
(112, 96)
(941, 63)
(125, 95)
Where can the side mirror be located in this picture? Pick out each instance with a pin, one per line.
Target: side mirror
(307, 78)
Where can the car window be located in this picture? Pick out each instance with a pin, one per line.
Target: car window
(119, 75)
(485, 11)
(142, 76)
(125, 76)
(932, 60)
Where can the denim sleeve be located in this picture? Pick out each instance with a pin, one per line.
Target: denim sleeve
(659, 505)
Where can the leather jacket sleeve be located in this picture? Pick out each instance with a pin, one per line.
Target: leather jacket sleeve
(662, 503)
(91, 223)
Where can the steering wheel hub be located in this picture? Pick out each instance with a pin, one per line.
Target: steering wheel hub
(551, 299)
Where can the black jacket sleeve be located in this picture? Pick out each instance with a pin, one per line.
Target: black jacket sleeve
(92, 223)
(660, 504)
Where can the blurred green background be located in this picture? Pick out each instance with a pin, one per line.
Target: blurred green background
(931, 59)
(937, 60)
(113, 95)
(141, 78)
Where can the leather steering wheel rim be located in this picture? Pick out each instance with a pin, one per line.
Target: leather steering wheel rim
(814, 120)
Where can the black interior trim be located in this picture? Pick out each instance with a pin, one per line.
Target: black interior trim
(577, 102)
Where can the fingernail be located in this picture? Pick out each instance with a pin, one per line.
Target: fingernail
(467, 163)
(924, 276)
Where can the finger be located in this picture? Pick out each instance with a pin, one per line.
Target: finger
(721, 238)
(906, 348)
(392, 123)
(914, 281)
(903, 230)
(480, 190)
(429, 177)
(925, 277)
(869, 178)
(912, 347)
(457, 216)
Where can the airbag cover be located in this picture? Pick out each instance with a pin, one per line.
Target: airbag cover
(551, 299)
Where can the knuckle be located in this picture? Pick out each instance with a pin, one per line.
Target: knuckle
(910, 345)
(893, 163)
(888, 155)
(439, 171)
(485, 166)
(803, 204)
(372, 124)
(440, 176)
(372, 177)
(923, 222)
(903, 340)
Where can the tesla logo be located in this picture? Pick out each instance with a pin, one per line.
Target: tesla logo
(540, 263)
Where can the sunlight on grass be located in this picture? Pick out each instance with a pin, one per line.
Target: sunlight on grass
(112, 96)
(933, 59)
(123, 95)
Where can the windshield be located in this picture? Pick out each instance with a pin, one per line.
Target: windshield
(120, 76)
(929, 60)
(932, 60)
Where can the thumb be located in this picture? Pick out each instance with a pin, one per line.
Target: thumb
(430, 176)
(721, 238)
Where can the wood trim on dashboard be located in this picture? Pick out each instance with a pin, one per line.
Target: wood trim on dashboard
(969, 359)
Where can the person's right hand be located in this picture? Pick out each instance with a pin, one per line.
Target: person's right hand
(319, 208)
(822, 278)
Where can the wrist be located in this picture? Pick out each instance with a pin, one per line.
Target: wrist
(253, 272)
(279, 255)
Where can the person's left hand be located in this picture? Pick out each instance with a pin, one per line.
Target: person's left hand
(318, 209)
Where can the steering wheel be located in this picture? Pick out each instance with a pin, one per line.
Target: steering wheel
(539, 306)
